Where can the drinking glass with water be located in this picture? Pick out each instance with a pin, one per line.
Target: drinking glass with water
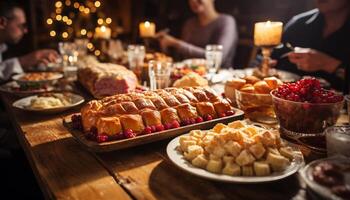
(136, 55)
(159, 74)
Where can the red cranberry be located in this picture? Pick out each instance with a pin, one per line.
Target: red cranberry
(208, 117)
(230, 112)
(175, 124)
(167, 126)
(199, 119)
(102, 138)
(222, 115)
(154, 129)
(186, 122)
(128, 133)
(193, 120)
(160, 127)
(147, 130)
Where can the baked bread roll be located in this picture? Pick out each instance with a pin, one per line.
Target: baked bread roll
(262, 87)
(169, 115)
(159, 103)
(130, 107)
(182, 98)
(222, 106)
(133, 122)
(151, 117)
(109, 125)
(206, 108)
(186, 112)
(171, 101)
(144, 103)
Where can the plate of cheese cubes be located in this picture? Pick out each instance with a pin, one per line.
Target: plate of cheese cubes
(239, 152)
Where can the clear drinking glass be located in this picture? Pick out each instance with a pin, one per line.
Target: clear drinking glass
(213, 55)
(159, 74)
(136, 55)
(69, 53)
(338, 140)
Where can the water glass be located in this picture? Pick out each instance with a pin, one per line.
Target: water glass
(159, 74)
(69, 53)
(338, 140)
(347, 98)
(213, 55)
(136, 55)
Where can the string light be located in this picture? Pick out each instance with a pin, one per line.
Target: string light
(86, 10)
(65, 18)
(97, 52)
(58, 4)
(100, 21)
(58, 17)
(52, 33)
(49, 21)
(108, 20)
(58, 10)
(76, 5)
(97, 4)
(64, 34)
(90, 45)
(81, 8)
(68, 2)
(83, 31)
(89, 34)
(69, 22)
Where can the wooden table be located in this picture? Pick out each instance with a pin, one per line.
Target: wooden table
(64, 170)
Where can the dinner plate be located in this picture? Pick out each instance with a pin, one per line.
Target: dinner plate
(283, 75)
(306, 174)
(55, 76)
(178, 159)
(13, 88)
(23, 104)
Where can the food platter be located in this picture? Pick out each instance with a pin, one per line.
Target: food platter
(144, 139)
(71, 99)
(285, 76)
(325, 192)
(37, 77)
(178, 159)
(14, 88)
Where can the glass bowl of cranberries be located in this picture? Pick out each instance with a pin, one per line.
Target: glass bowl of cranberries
(305, 108)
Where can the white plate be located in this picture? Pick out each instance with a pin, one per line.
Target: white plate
(306, 174)
(23, 104)
(54, 77)
(177, 158)
(10, 88)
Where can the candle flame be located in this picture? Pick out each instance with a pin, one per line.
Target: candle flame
(103, 28)
(147, 24)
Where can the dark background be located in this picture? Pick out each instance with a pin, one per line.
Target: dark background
(166, 14)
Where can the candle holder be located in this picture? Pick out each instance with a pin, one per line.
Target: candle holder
(267, 35)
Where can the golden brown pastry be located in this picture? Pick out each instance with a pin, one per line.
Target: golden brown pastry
(251, 79)
(130, 107)
(221, 107)
(169, 115)
(144, 103)
(109, 126)
(186, 111)
(171, 101)
(182, 98)
(90, 114)
(211, 94)
(249, 88)
(159, 103)
(114, 109)
(189, 95)
(206, 108)
(151, 117)
(262, 87)
(132, 122)
(273, 82)
(200, 95)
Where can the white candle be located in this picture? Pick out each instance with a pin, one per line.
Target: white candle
(103, 32)
(267, 33)
(147, 29)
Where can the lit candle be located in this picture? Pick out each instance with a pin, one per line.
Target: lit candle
(102, 32)
(267, 33)
(147, 29)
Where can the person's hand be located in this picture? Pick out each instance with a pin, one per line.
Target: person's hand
(311, 60)
(44, 56)
(166, 41)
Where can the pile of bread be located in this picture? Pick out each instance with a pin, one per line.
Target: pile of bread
(160, 108)
(251, 84)
(237, 149)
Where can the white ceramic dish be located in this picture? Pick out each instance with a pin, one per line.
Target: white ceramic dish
(23, 104)
(177, 158)
(306, 174)
(11, 87)
(54, 77)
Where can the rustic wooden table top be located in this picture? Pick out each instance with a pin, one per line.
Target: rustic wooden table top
(65, 170)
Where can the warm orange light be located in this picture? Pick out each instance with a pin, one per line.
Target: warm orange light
(97, 52)
(52, 33)
(58, 4)
(108, 20)
(83, 31)
(100, 21)
(49, 21)
(64, 34)
(97, 4)
(58, 17)
(76, 5)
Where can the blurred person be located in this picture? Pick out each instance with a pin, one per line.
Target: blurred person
(12, 29)
(207, 27)
(322, 36)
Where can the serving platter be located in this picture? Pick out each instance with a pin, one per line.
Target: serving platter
(306, 174)
(178, 159)
(144, 139)
(23, 104)
(54, 76)
(14, 88)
